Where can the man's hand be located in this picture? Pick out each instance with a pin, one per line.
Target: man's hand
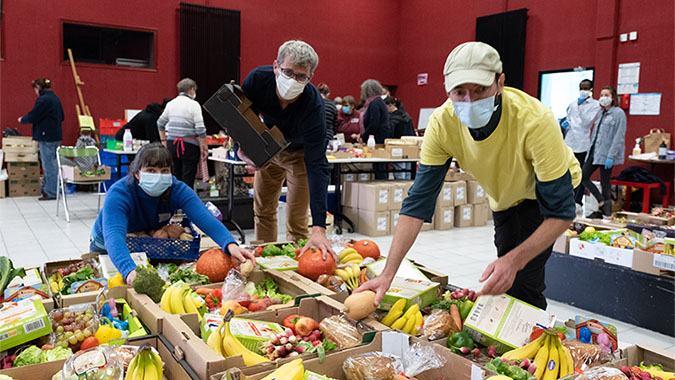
(249, 164)
(379, 285)
(502, 273)
(19, 119)
(131, 277)
(204, 151)
(319, 241)
(239, 253)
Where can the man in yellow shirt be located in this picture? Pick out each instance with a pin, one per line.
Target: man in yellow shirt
(511, 143)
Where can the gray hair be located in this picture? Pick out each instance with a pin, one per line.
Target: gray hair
(300, 53)
(186, 84)
(370, 88)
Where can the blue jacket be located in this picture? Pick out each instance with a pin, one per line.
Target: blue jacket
(46, 117)
(376, 121)
(128, 208)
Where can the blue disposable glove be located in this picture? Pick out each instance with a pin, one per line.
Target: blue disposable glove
(608, 163)
(580, 100)
(565, 124)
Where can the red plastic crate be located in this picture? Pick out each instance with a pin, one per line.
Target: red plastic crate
(110, 126)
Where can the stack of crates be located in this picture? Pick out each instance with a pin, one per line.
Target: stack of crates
(23, 169)
(109, 128)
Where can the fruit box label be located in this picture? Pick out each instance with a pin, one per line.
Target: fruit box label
(32, 278)
(460, 193)
(466, 213)
(383, 196)
(279, 263)
(22, 321)
(447, 216)
(479, 191)
(666, 262)
(405, 270)
(251, 333)
(382, 223)
(447, 194)
(420, 292)
(398, 195)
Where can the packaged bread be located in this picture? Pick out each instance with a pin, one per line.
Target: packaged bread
(602, 373)
(437, 325)
(338, 329)
(584, 355)
(371, 366)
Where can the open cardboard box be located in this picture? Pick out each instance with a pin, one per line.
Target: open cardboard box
(175, 366)
(183, 332)
(34, 274)
(140, 303)
(458, 367)
(51, 267)
(632, 356)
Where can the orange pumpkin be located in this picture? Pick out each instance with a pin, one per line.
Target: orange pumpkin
(312, 265)
(214, 264)
(367, 248)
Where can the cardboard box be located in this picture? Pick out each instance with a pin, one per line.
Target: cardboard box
(427, 226)
(3, 188)
(52, 267)
(374, 196)
(432, 275)
(374, 223)
(454, 174)
(72, 173)
(464, 216)
(353, 214)
(407, 269)
(401, 149)
(23, 170)
(19, 144)
(412, 291)
(562, 244)
(21, 157)
(475, 193)
(184, 334)
(397, 194)
(444, 218)
(23, 321)
(652, 263)
(504, 322)
(393, 219)
(581, 248)
(350, 177)
(599, 251)
(634, 355)
(22, 288)
(446, 197)
(480, 214)
(24, 187)
(350, 194)
(389, 342)
(459, 192)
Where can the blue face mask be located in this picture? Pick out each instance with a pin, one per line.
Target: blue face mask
(345, 109)
(155, 184)
(475, 114)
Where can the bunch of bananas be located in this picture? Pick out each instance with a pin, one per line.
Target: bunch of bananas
(290, 371)
(409, 322)
(224, 343)
(552, 360)
(350, 275)
(350, 256)
(146, 365)
(180, 299)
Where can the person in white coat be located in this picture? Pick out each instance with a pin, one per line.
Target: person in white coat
(581, 114)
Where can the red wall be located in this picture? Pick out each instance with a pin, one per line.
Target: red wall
(560, 34)
(353, 40)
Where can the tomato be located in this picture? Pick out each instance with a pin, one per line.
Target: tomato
(312, 265)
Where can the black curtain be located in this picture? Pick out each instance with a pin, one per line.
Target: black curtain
(209, 50)
(506, 33)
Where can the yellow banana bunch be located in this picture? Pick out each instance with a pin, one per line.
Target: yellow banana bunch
(350, 275)
(180, 299)
(549, 357)
(566, 361)
(394, 313)
(232, 347)
(215, 341)
(528, 351)
(541, 358)
(410, 322)
(290, 371)
(350, 256)
(146, 365)
(553, 364)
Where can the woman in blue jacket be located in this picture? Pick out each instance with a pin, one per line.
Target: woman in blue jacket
(146, 200)
(46, 117)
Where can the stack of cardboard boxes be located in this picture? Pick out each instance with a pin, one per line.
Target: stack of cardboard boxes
(461, 203)
(23, 168)
(374, 206)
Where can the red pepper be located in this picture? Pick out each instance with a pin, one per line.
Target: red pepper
(258, 251)
(291, 320)
(536, 333)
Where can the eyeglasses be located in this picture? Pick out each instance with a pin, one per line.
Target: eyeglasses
(302, 78)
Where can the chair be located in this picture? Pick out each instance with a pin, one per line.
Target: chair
(67, 152)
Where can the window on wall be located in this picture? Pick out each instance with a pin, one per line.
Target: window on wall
(109, 45)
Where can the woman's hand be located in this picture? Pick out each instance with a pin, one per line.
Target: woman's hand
(240, 253)
(131, 277)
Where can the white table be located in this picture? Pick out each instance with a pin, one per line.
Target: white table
(231, 175)
(119, 153)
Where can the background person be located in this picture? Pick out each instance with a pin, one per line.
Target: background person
(145, 201)
(46, 117)
(182, 131)
(581, 114)
(608, 145)
(350, 120)
(401, 125)
(375, 119)
(511, 143)
(283, 95)
(330, 109)
(143, 125)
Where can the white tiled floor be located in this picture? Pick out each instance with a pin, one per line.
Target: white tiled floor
(31, 234)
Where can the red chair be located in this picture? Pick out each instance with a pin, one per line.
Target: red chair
(646, 189)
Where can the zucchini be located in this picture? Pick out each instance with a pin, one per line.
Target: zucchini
(8, 272)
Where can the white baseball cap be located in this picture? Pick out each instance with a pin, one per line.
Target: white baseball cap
(471, 62)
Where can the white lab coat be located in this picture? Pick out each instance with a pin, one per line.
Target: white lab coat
(581, 117)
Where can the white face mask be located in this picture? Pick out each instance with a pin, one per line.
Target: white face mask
(383, 97)
(605, 101)
(475, 114)
(289, 88)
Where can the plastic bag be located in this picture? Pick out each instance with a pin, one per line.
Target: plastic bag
(234, 287)
(602, 373)
(100, 362)
(338, 329)
(421, 357)
(585, 355)
(372, 366)
(437, 325)
(72, 325)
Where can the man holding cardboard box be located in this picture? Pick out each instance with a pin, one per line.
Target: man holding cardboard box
(512, 145)
(282, 94)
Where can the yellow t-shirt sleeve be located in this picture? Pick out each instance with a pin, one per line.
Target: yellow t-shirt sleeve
(433, 150)
(547, 150)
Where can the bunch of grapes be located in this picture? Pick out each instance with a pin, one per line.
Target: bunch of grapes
(71, 327)
(73, 268)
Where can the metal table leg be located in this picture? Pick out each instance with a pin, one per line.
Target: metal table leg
(230, 203)
(338, 216)
(119, 166)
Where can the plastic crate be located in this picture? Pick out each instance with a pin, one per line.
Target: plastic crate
(109, 126)
(167, 249)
